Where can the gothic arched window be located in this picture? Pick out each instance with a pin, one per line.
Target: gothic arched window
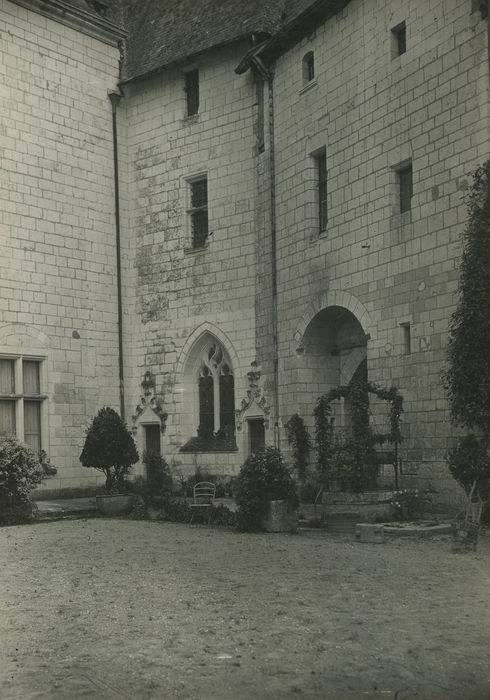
(216, 393)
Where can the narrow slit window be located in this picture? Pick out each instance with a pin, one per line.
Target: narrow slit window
(406, 338)
(321, 163)
(192, 92)
(399, 34)
(199, 212)
(308, 67)
(405, 187)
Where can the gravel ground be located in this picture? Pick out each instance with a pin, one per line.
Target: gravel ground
(107, 609)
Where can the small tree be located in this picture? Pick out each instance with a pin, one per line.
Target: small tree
(467, 376)
(20, 472)
(109, 447)
(468, 372)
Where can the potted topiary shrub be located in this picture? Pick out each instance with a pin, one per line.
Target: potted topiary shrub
(109, 447)
(266, 494)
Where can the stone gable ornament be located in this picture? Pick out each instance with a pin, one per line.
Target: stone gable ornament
(149, 400)
(255, 395)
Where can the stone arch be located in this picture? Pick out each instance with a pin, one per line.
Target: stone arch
(333, 346)
(189, 368)
(204, 329)
(21, 336)
(334, 297)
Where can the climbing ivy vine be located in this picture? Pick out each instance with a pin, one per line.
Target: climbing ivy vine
(351, 459)
(300, 440)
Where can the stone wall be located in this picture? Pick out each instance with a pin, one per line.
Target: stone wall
(373, 110)
(57, 241)
(181, 293)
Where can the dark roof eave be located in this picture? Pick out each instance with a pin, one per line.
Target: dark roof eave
(188, 58)
(319, 11)
(76, 18)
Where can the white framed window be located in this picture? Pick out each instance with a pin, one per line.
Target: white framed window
(23, 399)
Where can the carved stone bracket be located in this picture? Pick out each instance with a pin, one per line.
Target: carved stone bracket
(149, 400)
(255, 395)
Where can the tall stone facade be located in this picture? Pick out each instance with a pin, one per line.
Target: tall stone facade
(58, 304)
(395, 274)
(291, 199)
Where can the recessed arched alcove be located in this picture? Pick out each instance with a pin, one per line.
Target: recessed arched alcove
(334, 347)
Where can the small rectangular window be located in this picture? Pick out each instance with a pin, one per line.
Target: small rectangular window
(406, 338)
(405, 187)
(199, 212)
(7, 377)
(192, 91)
(32, 424)
(7, 418)
(30, 374)
(308, 67)
(321, 162)
(399, 34)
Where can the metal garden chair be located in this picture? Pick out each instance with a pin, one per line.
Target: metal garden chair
(204, 494)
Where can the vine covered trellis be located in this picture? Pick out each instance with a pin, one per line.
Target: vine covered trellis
(352, 459)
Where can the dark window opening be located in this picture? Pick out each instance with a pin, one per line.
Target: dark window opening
(308, 67)
(400, 39)
(407, 338)
(227, 402)
(192, 92)
(405, 185)
(322, 190)
(206, 406)
(199, 212)
(152, 440)
(256, 435)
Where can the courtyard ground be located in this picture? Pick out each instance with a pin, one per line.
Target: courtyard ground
(118, 609)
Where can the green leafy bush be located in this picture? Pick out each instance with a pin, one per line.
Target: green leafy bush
(109, 447)
(469, 463)
(409, 504)
(20, 472)
(158, 482)
(264, 477)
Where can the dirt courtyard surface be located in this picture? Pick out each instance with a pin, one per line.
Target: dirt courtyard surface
(117, 609)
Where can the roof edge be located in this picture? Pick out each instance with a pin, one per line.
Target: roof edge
(188, 58)
(80, 20)
(292, 32)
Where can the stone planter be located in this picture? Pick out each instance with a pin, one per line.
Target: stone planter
(114, 504)
(280, 518)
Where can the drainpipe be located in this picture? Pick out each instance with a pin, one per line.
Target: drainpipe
(268, 75)
(275, 339)
(115, 97)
